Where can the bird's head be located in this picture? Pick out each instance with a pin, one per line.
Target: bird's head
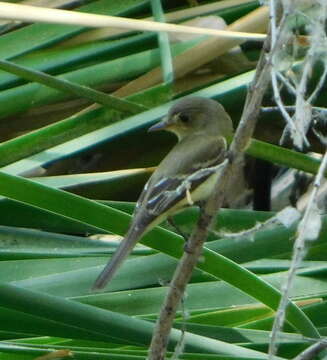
(196, 115)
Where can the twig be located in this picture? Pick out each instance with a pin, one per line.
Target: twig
(302, 118)
(285, 81)
(181, 343)
(321, 83)
(291, 125)
(317, 109)
(298, 254)
(188, 262)
(287, 217)
(273, 22)
(279, 30)
(310, 225)
(279, 102)
(312, 350)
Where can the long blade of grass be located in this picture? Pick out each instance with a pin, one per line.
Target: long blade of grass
(39, 36)
(96, 214)
(70, 87)
(103, 322)
(34, 14)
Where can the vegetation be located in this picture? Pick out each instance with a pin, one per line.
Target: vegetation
(71, 172)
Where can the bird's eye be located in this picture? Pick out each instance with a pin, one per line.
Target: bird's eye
(184, 118)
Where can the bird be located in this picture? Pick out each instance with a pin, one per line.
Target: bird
(186, 176)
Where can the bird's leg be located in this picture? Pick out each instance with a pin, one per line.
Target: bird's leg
(230, 156)
(200, 204)
(172, 223)
(187, 247)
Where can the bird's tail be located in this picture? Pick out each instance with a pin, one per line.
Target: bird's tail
(124, 248)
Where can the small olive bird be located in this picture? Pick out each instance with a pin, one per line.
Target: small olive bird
(185, 176)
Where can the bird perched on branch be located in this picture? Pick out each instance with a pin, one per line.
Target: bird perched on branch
(186, 176)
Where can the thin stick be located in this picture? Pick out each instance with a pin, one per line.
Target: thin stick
(321, 83)
(312, 350)
(55, 16)
(286, 82)
(310, 224)
(279, 102)
(317, 109)
(299, 251)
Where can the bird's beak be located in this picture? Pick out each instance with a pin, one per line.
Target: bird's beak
(161, 125)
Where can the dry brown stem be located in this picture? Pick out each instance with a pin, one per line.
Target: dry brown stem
(200, 54)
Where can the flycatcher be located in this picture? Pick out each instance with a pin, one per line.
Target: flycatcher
(186, 176)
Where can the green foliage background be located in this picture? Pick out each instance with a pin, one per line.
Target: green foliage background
(48, 264)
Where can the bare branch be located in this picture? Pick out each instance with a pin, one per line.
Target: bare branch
(312, 216)
(319, 86)
(310, 225)
(287, 83)
(312, 350)
(281, 106)
(286, 217)
(194, 247)
(316, 109)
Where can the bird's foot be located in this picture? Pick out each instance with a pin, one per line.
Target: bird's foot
(172, 223)
(230, 156)
(187, 248)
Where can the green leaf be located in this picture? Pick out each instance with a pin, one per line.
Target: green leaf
(37, 36)
(95, 214)
(103, 322)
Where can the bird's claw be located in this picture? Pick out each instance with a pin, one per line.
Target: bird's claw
(187, 248)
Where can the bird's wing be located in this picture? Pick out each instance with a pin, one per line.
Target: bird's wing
(166, 188)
